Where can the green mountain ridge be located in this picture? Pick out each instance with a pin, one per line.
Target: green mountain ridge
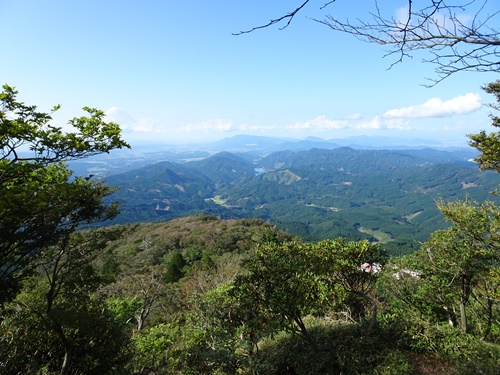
(225, 168)
(385, 196)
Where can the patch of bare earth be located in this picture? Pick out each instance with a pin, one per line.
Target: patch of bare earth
(429, 365)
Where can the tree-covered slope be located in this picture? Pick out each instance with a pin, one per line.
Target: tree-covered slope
(381, 195)
(225, 169)
(161, 191)
(350, 160)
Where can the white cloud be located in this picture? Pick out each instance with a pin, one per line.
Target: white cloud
(320, 123)
(377, 123)
(374, 123)
(438, 108)
(202, 131)
(355, 116)
(199, 131)
(397, 124)
(118, 115)
(246, 127)
(354, 122)
(215, 125)
(129, 124)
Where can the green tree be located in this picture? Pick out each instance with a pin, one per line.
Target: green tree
(459, 258)
(174, 267)
(340, 263)
(283, 286)
(214, 334)
(488, 144)
(286, 282)
(152, 346)
(58, 321)
(41, 202)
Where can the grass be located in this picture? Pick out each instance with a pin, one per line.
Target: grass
(413, 215)
(379, 235)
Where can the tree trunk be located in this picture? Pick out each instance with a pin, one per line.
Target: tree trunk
(58, 329)
(67, 359)
(373, 319)
(463, 316)
(66, 362)
(464, 298)
(489, 307)
(304, 331)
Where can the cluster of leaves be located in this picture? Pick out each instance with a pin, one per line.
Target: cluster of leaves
(32, 169)
(49, 313)
(290, 281)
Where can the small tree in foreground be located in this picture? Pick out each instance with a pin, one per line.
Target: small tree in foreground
(286, 282)
(41, 203)
(456, 261)
(58, 322)
(488, 144)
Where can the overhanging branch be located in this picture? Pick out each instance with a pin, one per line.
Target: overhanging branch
(457, 33)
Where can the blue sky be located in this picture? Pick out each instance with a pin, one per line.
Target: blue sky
(172, 72)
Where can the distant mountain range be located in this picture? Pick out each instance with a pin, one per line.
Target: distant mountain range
(241, 143)
(388, 196)
(246, 146)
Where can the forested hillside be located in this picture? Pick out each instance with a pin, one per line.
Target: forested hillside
(383, 196)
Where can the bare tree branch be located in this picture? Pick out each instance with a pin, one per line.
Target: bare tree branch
(458, 34)
(288, 17)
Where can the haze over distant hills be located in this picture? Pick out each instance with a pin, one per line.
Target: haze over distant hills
(247, 146)
(242, 142)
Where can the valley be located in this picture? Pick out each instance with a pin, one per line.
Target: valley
(384, 196)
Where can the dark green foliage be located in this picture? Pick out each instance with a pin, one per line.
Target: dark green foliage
(286, 282)
(174, 268)
(489, 144)
(212, 337)
(456, 261)
(41, 204)
(29, 343)
(109, 271)
(352, 350)
(58, 322)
